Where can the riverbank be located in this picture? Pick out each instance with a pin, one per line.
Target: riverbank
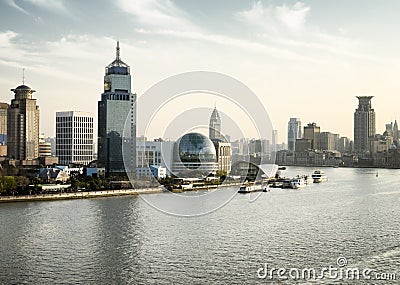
(79, 195)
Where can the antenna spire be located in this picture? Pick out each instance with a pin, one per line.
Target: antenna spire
(23, 76)
(117, 55)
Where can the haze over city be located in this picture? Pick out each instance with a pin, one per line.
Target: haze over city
(303, 59)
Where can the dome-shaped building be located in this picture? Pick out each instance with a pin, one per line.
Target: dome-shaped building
(194, 152)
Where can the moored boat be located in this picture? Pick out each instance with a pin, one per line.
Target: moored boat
(298, 182)
(319, 176)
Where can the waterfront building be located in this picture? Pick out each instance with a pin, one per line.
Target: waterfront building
(23, 125)
(154, 154)
(364, 125)
(312, 132)
(74, 137)
(224, 156)
(294, 132)
(194, 155)
(303, 145)
(344, 145)
(44, 147)
(117, 106)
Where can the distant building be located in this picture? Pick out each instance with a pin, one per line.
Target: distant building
(344, 145)
(364, 125)
(117, 106)
(274, 141)
(312, 132)
(74, 137)
(23, 125)
(44, 147)
(214, 130)
(224, 156)
(303, 145)
(294, 132)
(153, 153)
(3, 123)
(328, 141)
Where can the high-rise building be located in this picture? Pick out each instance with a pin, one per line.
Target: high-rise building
(327, 141)
(3, 123)
(116, 107)
(294, 132)
(274, 141)
(395, 131)
(214, 130)
(74, 137)
(312, 132)
(23, 125)
(364, 125)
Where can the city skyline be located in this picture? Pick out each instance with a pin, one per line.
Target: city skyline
(293, 55)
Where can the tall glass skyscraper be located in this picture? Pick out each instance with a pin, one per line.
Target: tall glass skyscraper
(294, 132)
(116, 108)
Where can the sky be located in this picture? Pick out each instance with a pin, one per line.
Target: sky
(304, 59)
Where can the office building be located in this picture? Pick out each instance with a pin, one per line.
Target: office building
(74, 137)
(44, 147)
(23, 125)
(294, 132)
(312, 132)
(364, 125)
(214, 131)
(117, 106)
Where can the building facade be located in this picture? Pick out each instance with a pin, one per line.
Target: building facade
(74, 137)
(214, 130)
(312, 132)
(364, 125)
(23, 125)
(44, 147)
(3, 123)
(294, 132)
(117, 107)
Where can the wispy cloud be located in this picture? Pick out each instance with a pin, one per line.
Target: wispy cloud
(156, 13)
(276, 19)
(57, 6)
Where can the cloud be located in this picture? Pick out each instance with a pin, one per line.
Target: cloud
(276, 19)
(156, 13)
(50, 5)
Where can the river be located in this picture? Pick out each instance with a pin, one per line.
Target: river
(352, 218)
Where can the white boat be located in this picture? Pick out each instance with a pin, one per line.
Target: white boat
(253, 187)
(298, 182)
(319, 176)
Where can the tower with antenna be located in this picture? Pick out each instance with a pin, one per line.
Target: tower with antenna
(117, 106)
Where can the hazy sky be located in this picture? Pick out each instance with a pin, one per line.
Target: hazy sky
(303, 59)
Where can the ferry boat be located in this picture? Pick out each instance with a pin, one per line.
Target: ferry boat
(253, 187)
(319, 176)
(298, 182)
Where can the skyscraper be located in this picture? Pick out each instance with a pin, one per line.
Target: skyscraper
(116, 104)
(74, 137)
(214, 131)
(23, 125)
(3, 123)
(312, 132)
(294, 132)
(274, 141)
(396, 131)
(364, 124)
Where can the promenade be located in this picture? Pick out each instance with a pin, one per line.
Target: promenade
(79, 195)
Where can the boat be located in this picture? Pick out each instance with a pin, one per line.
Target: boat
(287, 183)
(319, 176)
(298, 182)
(253, 187)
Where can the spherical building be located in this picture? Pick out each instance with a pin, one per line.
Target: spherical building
(194, 152)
